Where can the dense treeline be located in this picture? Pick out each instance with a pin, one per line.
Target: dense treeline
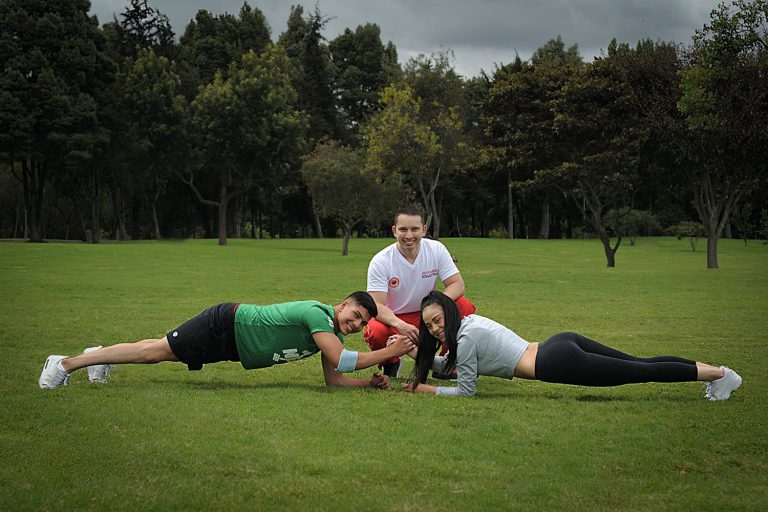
(125, 131)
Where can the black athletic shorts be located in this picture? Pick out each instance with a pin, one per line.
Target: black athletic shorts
(207, 338)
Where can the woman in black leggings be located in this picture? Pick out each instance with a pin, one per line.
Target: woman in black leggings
(480, 346)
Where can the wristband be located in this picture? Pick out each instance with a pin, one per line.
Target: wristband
(347, 361)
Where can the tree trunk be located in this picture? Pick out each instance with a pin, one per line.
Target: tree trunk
(33, 181)
(510, 210)
(155, 219)
(239, 215)
(545, 218)
(96, 207)
(610, 252)
(118, 205)
(17, 225)
(712, 240)
(434, 215)
(714, 204)
(347, 236)
(316, 226)
(223, 201)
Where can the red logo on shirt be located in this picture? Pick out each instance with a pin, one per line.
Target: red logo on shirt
(394, 282)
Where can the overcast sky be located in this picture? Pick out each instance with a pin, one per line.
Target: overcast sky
(481, 33)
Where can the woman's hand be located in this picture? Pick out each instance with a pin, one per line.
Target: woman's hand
(419, 388)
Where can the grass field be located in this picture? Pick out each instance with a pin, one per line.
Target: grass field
(162, 438)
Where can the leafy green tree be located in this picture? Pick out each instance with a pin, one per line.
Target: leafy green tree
(442, 102)
(142, 26)
(741, 216)
(249, 130)
(154, 111)
(554, 55)
(303, 43)
(414, 150)
(725, 102)
(210, 43)
(763, 231)
(53, 63)
(690, 230)
(632, 223)
(362, 69)
(520, 122)
(334, 176)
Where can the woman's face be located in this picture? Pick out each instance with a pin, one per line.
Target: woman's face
(434, 321)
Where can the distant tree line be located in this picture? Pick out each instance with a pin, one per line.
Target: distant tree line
(124, 131)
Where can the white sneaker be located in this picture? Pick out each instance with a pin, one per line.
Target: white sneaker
(722, 388)
(98, 372)
(51, 377)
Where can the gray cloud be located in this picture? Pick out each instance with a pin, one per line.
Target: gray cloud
(481, 33)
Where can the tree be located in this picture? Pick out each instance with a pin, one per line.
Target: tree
(688, 229)
(408, 149)
(335, 179)
(142, 26)
(210, 43)
(303, 44)
(632, 223)
(725, 102)
(53, 63)
(362, 69)
(154, 110)
(248, 126)
(553, 55)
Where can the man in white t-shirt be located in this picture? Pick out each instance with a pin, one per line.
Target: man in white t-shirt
(402, 274)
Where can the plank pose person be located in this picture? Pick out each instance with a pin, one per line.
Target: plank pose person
(479, 346)
(401, 274)
(257, 336)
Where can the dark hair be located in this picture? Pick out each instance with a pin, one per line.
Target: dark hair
(365, 300)
(428, 344)
(409, 210)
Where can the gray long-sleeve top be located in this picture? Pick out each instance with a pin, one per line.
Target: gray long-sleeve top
(484, 347)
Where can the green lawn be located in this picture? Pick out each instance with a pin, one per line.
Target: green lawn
(161, 438)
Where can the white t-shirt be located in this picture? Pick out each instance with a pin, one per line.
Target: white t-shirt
(407, 283)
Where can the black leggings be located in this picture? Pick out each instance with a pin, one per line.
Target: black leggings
(570, 358)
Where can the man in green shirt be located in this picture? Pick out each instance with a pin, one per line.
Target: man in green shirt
(257, 336)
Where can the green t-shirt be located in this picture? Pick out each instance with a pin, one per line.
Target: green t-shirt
(278, 333)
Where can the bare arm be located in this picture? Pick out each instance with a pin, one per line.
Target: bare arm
(334, 378)
(420, 388)
(388, 318)
(331, 348)
(411, 353)
(454, 286)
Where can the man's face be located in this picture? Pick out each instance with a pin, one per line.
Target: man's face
(409, 230)
(352, 317)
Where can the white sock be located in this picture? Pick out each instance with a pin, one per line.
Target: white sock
(59, 366)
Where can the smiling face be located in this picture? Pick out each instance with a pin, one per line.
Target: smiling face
(434, 321)
(409, 230)
(352, 317)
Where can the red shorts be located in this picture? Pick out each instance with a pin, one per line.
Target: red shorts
(376, 333)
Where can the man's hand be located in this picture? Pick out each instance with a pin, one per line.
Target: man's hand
(400, 345)
(395, 337)
(408, 330)
(379, 381)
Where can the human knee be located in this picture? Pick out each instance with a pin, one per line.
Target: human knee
(376, 335)
(152, 351)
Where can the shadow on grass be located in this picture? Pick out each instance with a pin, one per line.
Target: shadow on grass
(588, 398)
(223, 385)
